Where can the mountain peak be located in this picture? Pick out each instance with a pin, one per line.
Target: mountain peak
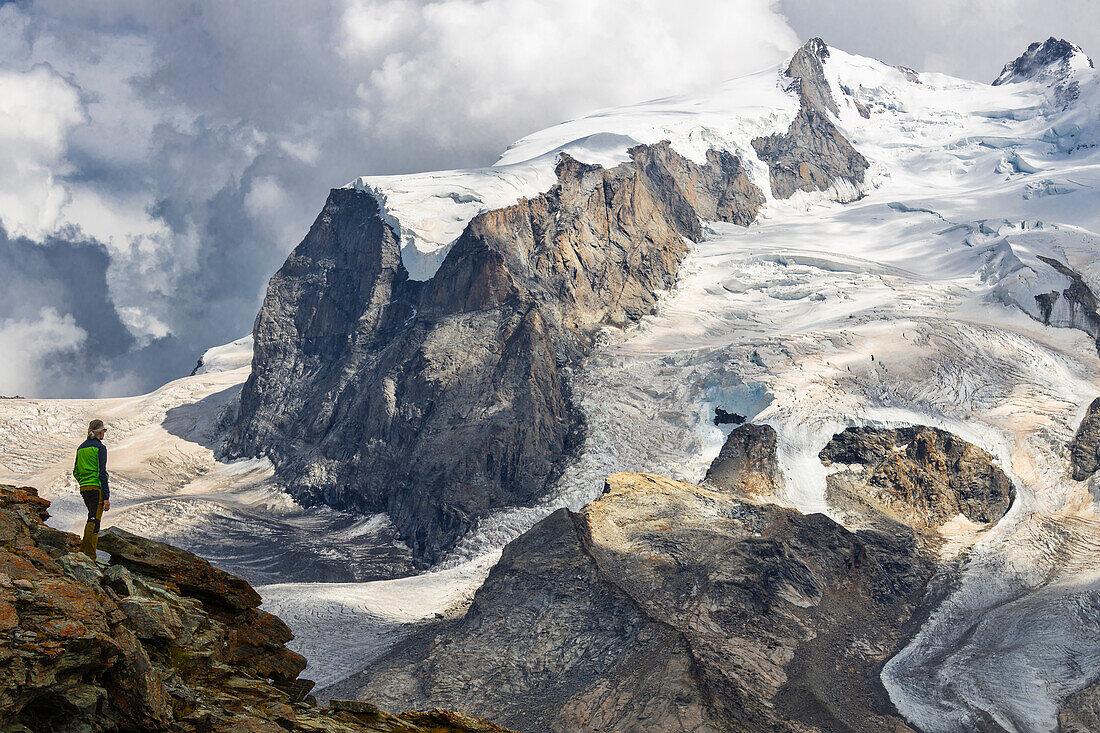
(1054, 58)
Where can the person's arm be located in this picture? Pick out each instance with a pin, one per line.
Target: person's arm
(103, 477)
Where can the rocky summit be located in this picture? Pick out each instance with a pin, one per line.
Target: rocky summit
(157, 640)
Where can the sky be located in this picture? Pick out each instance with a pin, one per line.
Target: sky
(164, 158)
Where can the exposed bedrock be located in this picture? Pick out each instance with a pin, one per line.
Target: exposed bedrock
(747, 465)
(1074, 307)
(674, 607)
(668, 606)
(918, 476)
(812, 155)
(1081, 711)
(158, 641)
(441, 401)
(1084, 449)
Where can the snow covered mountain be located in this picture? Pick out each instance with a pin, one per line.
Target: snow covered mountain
(891, 249)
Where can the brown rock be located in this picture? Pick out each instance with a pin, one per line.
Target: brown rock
(188, 571)
(672, 607)
(919, 476)
(354, 706)
(747, 464)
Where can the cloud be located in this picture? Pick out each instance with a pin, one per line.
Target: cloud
(27, 346)
(37, 110)
(193, 143)
(483, 71)
(971, 39)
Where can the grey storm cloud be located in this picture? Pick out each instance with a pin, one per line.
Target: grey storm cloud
(163, 158)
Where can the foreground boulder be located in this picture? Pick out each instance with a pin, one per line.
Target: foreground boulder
(158, 640)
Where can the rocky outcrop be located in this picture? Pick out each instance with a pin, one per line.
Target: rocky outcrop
(1080, 712)
(441, 401)
(917, 476)
(747, 465)
(1051, 62)
(158, 640)
(673, 607)
(1084, 449)
(1074, 307)
(812, 155)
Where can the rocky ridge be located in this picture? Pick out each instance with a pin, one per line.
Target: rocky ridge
(158, 640)
(917, 476)
(441, 401)
(669, 606)
(812, 155)
(1051, 62)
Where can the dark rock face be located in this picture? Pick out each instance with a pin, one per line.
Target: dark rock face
(1081, 711)
(158, 641)
(746, 465)
(1048, 61)
(1079, 299)
(812, 155)
(721, 417)
(1084, 449)
(441, 401)
(667, 606)
(917, 476)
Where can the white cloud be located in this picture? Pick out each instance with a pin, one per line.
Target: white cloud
(472, 72)
(37, 110)
(27, 345)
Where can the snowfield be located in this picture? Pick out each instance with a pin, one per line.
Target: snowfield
(913, 304)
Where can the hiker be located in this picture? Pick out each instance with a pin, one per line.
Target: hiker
(91, 473)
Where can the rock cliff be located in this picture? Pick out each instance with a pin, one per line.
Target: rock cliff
(443, 400)
(812, 155)
(667, 606)
(159, 640)
(747, 465)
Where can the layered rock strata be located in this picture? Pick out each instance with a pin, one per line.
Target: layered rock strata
(441, 401)
(812, 155)
(917, 476)
(159, 640)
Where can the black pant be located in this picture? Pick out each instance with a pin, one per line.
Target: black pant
(93, 499)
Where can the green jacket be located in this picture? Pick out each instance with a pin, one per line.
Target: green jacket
(91, 465)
